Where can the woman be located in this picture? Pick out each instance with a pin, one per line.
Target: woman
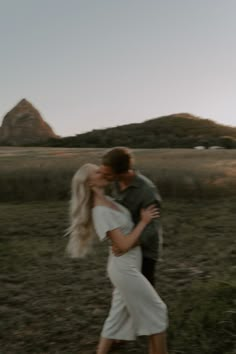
(136, 308)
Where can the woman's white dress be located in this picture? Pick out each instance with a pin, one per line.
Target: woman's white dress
(136, 308)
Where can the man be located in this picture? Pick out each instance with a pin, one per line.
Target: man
(135, 191)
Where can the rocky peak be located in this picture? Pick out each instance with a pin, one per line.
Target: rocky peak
(24, 125)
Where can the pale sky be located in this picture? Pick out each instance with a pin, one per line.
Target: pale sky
(91, 64)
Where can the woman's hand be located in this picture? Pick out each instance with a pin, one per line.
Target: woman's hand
(116, 251)
(150, 213)
(123, 242)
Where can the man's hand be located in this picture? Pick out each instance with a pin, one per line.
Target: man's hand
(116, 251)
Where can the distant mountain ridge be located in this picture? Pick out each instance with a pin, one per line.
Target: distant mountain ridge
(180, 130)
(24, 125)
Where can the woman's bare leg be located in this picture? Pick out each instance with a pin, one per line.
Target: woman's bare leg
(150, 346)
(104, 345)
(158, 344)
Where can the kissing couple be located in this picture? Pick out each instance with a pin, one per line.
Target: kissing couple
(128, 221)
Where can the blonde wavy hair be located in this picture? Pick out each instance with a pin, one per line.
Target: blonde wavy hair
(81, 230)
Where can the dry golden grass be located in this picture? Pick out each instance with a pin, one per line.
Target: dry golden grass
(45, 173)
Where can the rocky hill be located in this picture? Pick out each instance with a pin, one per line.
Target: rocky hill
(24, 125)
(181, 130)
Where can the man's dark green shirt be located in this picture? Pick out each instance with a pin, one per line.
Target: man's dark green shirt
(140, 194)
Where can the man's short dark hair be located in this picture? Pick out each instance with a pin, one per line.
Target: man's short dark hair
(119, 159)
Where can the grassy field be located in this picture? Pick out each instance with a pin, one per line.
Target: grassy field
(52, 304)
(29, 174)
